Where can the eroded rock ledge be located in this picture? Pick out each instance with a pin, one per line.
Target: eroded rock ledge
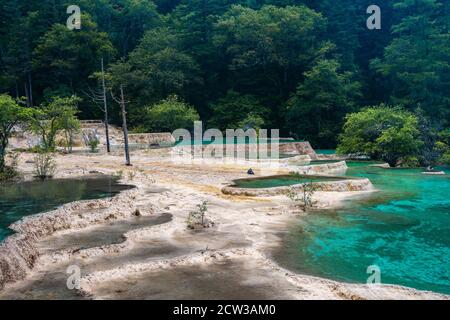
(18, 253)
(333, 186)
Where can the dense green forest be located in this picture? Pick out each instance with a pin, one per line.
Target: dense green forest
(297, 65)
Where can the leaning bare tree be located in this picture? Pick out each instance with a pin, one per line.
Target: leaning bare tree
(99, 98)
(122, 102)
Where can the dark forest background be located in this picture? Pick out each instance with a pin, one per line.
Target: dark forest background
(297, 65)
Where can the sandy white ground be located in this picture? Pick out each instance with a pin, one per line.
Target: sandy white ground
(160, 260)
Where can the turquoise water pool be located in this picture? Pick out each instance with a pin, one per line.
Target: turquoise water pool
(325, 151)
(235, 141)
(27, 198)
(280, 181)
(404, 229)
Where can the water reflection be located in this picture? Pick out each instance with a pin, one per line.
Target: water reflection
(27, 198)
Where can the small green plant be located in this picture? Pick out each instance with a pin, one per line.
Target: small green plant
(303, 198)
(10, 172)
(53, 117)
(44, 165)
(197, 218)
(92, 141)
(93, 144)
(445, 159)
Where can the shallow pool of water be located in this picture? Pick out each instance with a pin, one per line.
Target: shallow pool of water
(281, 181)
(235, 140)
(26, 198)
(404, 229)
(325, 151)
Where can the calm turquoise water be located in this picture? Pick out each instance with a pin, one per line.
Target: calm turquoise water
(27, 198)
(404, 229)
(235, 141)
(280, 181)
(325, 151)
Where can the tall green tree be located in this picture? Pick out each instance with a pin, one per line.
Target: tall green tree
(267, 49)
(66, 58)
(235, 110)
(11, 114)
(156, 69)
(125, 21)
(417, 60)
(317, 109)
(383, 133)
(51, 118)
(168, 115)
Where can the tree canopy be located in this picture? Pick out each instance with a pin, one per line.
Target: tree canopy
(296, 65)
(384, 133)
(11, 113)
(168, 115)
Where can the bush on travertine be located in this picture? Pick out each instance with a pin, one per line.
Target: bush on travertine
(44, 165)
(303, 198)
(10, 172)
(92, 141)
(197, 218)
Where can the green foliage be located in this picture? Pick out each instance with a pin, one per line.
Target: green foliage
(125, 20)
(44, 165)
(383, 133)
(267, 50)
(154, 70)
(278, 53)
(11, 114)
(10, 172)
(303, 198)
(443, 146)
(70, 126)
(445, 159)
(237, 110)
(64, 59)
(417, 60)
(316, 111)
(252, 121)
(197, 218)
(409, 162)
(168, 115)
(92, 141)
(56, 116)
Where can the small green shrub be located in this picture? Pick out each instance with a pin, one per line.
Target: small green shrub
(445, 159)
(303, 198)
(197, 218)
(44, 165)
(93, 145)
(409, 162)
(10, 172)
(91, 140)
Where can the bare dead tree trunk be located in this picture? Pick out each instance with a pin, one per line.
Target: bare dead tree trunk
(30, 85)
(17, 90)
(108, 146)
(125, 129)
(27, 94)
